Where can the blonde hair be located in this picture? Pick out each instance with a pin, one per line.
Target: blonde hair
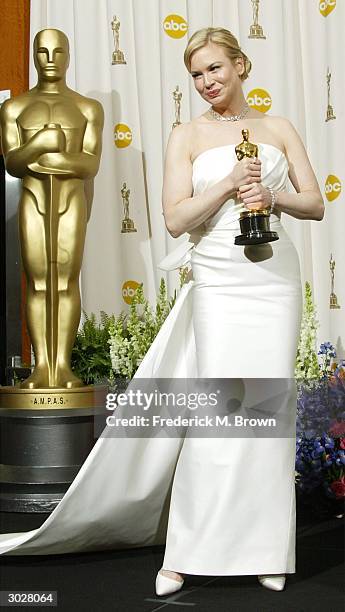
(218, 36)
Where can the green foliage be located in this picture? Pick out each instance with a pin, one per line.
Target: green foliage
(307, 365)
(90, 355)
(183, 274)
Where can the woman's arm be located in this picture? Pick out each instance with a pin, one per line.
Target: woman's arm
(307, 203)
(182, 212)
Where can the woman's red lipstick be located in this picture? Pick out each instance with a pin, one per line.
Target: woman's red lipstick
(213, 94)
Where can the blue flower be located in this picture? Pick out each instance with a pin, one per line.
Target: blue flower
(326, 348)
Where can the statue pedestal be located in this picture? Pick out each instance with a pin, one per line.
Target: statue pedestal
(42, 448)
(256, 31)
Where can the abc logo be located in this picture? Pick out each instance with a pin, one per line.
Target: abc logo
(122, 135)
(129, 288)
(332, 187)
(175, 26)
(259, 99)
(327, 6)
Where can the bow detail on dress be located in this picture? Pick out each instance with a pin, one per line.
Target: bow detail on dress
(181, 256)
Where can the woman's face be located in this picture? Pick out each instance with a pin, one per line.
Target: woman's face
(216, 77)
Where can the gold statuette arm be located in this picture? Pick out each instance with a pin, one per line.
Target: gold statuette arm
(84, 164)
(76, 165)
(17, 156)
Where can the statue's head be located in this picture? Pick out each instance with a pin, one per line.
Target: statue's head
(51, 54)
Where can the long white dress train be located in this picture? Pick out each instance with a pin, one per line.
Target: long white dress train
(232, 504)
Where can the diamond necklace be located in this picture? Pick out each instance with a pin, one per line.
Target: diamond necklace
(219, 117)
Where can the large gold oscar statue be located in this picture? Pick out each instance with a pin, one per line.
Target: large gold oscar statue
(51, 139)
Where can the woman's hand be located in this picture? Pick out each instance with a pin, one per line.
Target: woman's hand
(245, 172)
(255, 196)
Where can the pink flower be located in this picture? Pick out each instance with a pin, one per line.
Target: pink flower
(337, 429)
(342, 443)
(338, 487)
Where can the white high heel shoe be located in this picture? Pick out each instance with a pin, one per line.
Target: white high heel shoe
(274, 582)
(165, 585)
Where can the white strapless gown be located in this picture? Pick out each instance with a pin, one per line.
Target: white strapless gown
(232, 504)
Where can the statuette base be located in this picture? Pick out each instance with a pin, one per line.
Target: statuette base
(333, 301)
(118, 58)
(330, 114)
(255, 229)
(256, 31)
(127, 226)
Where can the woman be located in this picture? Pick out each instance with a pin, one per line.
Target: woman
(232, 500)
(246, 315)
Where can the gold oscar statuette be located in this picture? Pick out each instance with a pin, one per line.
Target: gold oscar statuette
(127, 223)
(333, 300)
(330, 112)
(51, 139)
(177, 95)
(254, 223)
(256, 30)
(118, 56)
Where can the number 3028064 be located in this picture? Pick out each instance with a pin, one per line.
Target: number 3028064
(27, 598)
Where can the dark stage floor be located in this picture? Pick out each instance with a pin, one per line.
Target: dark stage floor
(122, 581)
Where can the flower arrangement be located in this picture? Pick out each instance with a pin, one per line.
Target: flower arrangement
(307, 365)
(131, 336)
(320, 426)
(326, 353)
(320, 457)
(323, 460)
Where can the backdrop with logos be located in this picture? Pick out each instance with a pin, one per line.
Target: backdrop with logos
(128, 54)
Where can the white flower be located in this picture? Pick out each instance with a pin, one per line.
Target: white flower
(131, 336)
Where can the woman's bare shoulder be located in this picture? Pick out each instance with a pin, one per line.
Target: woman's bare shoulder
(182, 132)
(180, 142)
(190, 127)
(278, 123)
(282, 129)
(182, 137)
